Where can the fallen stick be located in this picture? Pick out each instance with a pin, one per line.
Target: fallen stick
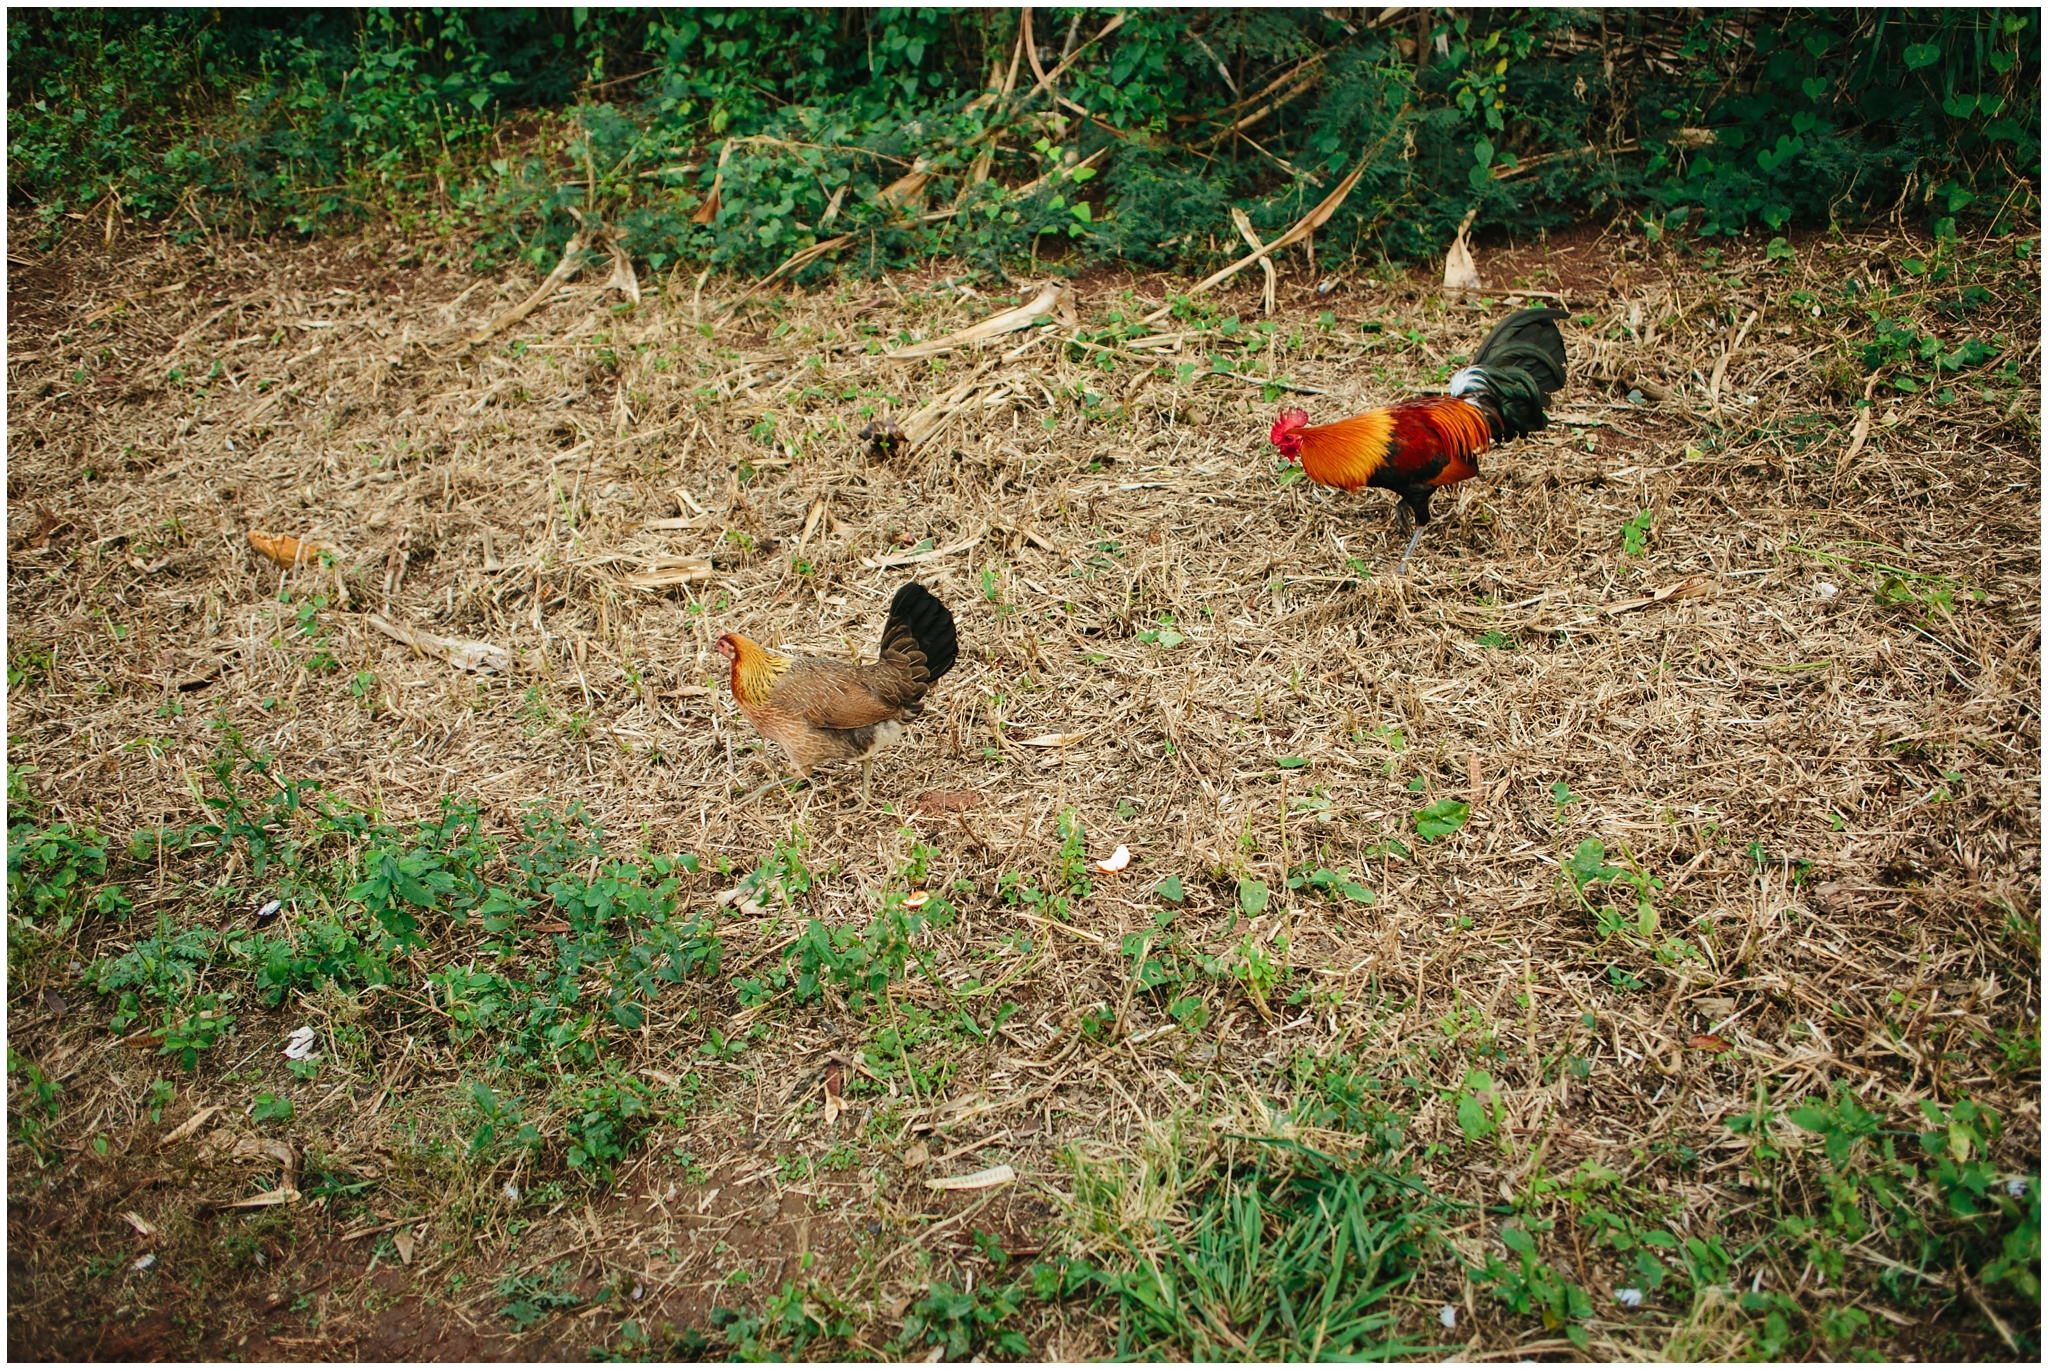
(1721, 366)
(1054, 298)
(1310, 222)
(883, 563)
(797, 262)
(571, 263)
(1860, 434)
(462, 655)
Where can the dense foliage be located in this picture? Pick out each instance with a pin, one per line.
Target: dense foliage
(736, 138)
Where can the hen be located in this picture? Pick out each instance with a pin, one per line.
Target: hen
(818, 710)
(1420, 445)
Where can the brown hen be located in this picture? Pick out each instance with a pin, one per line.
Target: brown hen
(822, 710)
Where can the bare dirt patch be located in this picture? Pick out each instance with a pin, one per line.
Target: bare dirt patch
(1795, 688)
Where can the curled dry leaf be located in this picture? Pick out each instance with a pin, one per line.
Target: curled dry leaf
(143, 1226)
(286, 551)
(835, 1099)
(1707, 1041)
(268, 1199)
(916, 1155)
(1461, 273)
(917, 899)
(1116, 861)
(884, 439)
(191, 1124)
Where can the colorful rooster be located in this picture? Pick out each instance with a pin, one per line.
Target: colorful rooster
(1418, 445)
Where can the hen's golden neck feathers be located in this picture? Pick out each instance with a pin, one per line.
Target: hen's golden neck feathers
(754, 668)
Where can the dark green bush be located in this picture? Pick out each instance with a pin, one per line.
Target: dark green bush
(508, 127)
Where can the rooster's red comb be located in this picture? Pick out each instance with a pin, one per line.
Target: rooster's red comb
(1284, 426)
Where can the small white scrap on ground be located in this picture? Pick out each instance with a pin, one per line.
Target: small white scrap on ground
(511, 1191)
(2016, 1188)
(1629, 1298)
(300, 1044)
(144, 1262)
(1447, 1315)
(1118, 859)
(268, 909)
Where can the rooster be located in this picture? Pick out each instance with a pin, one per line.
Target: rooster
(822, 710)
(1421, 444)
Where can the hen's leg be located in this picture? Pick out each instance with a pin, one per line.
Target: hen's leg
(802, 777)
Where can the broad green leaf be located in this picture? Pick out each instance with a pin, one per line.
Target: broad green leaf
(1475, 1119)
(1441, 818)
(1589, 863)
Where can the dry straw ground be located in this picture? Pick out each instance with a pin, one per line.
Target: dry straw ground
(1805, 704)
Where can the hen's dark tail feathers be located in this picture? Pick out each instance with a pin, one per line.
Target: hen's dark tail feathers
(917, 615)
(1523, 364)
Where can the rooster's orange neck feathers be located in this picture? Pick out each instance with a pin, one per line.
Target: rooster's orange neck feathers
(1346, 453)
(754, 670)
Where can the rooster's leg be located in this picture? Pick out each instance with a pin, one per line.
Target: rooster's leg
(1402, 569)
(1404, 520)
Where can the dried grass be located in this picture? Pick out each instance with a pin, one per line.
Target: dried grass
(534, 483)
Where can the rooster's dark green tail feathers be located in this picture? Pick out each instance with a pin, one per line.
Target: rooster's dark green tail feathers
(1528, 340)
(1520, 364)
